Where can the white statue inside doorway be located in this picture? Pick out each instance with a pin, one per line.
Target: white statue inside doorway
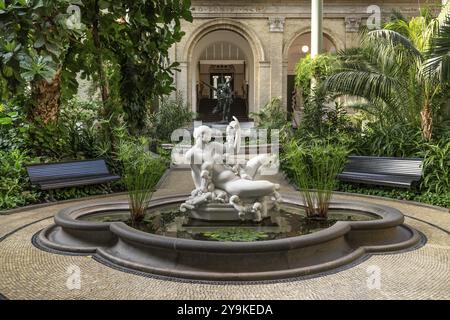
(226, 190)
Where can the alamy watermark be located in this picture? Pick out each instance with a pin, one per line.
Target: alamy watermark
(374, 19)
(73, 22)
(231, 146)
(73, 281)
(373, 281)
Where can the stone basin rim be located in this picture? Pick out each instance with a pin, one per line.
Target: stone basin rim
(117, 244)
(68, 218)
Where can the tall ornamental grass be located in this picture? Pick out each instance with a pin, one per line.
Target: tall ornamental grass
(315, 167)
(141, 172)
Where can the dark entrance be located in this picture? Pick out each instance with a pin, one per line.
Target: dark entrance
(216, 78)
(290, 95)
(207, 98)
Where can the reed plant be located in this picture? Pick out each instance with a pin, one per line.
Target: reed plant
(315, 166)
(141, 172)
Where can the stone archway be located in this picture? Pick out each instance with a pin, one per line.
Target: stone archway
(330, 34)
(297, 48)
(230, 31)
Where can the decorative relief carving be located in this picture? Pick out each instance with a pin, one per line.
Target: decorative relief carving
(227, 9)
(302, 10)
(276, 24)
(352, 24)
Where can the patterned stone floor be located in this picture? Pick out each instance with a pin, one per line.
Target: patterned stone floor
(29, 273)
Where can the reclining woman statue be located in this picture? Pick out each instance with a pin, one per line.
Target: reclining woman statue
(219, 182)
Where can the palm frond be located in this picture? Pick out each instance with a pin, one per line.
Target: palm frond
(387, 58)
(444, 12)
(438, 63)
(362, 105)
(397, 15)
(356, 59)
(368, 85)
(400, 26)
(394, 38)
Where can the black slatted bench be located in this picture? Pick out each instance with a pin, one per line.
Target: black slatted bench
(50, 176)
(384, 171)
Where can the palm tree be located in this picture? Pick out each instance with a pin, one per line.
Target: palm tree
(387, 72)
(438, 63)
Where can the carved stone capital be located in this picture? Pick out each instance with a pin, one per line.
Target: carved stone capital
(276, 24)
(352, 24)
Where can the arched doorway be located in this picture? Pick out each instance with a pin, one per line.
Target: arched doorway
(222, 55)
(298, 50)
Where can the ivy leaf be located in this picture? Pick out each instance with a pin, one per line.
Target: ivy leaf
(53, 48)
(39, 4)
(23, 3)
(37, 67)
(7, 71)
(102, 4)
(28, 75)
(7, 56)
(39, 42)
(5, 121)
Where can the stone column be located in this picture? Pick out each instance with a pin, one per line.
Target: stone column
(352, 25)
(284, 92)
(183, 85)
(316, 27)
(276, 29)
(265, 83)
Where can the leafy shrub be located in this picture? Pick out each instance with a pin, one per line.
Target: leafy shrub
(80, 127)
(315, 167)
(45, 140)
(17, 132)
(76, 135)
(141, 171)
(324, 117)
(436, 199)
(172, 115)
(319, 68)
(83, 191)
(397, 140)
(406, 141)
(10, 128)
(14, 185)
(271, 116)
(436, 167)
(415, 194)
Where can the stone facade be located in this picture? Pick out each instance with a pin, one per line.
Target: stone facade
(270, 29)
